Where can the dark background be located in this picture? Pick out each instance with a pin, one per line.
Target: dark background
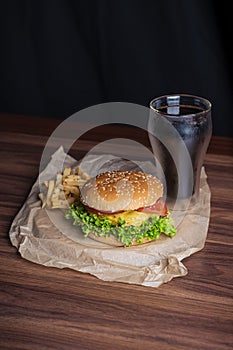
(57, 57)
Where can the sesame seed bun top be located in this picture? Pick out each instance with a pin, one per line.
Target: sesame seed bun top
(121, 190)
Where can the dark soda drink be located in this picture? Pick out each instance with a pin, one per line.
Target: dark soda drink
(190, 116)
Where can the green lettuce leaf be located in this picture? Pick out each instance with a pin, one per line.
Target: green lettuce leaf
(102, 226)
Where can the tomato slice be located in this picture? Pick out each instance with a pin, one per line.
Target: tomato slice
(159, 208)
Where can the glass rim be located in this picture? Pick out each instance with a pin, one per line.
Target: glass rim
(207, 102)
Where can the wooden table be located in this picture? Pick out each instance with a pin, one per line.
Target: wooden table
(47, 308)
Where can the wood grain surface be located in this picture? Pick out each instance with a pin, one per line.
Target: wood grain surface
(47, 308)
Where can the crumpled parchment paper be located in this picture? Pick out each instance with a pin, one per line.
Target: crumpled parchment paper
(47, 238)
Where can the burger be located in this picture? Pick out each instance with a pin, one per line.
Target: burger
(122, 208)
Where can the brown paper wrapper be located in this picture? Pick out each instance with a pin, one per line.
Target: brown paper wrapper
(47, 238)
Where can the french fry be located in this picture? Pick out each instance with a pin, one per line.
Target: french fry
(64, 189)
(59, 179)
(66, 172)
(43, 200)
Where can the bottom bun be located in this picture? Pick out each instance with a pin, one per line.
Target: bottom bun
(111, 240)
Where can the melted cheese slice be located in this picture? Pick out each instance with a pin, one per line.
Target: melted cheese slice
(131, 217)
